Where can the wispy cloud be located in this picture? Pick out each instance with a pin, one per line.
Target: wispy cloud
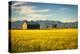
(44, 10)
(28, 19)
(32, 11)
(18, 3)
(29, 13)
(63, 9)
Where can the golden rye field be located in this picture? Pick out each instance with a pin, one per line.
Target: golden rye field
(43, 40)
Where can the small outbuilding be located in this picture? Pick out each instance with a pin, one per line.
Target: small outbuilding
(24, 26)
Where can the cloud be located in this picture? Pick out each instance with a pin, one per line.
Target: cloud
(33, 17)
(69, 21)
(63, 9)
(26, 10)
(44, 10)
(18, 3)
(38, 17)
(28, 19)
(29, 12)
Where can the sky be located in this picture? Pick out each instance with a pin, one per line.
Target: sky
(43, 11)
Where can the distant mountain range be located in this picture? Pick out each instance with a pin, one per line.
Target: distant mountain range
(44, 24)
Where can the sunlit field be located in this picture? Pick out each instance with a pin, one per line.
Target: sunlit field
(43, 40)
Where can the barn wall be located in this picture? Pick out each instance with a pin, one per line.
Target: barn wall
(33, 26)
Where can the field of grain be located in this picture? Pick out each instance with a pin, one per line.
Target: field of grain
(43, 40)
